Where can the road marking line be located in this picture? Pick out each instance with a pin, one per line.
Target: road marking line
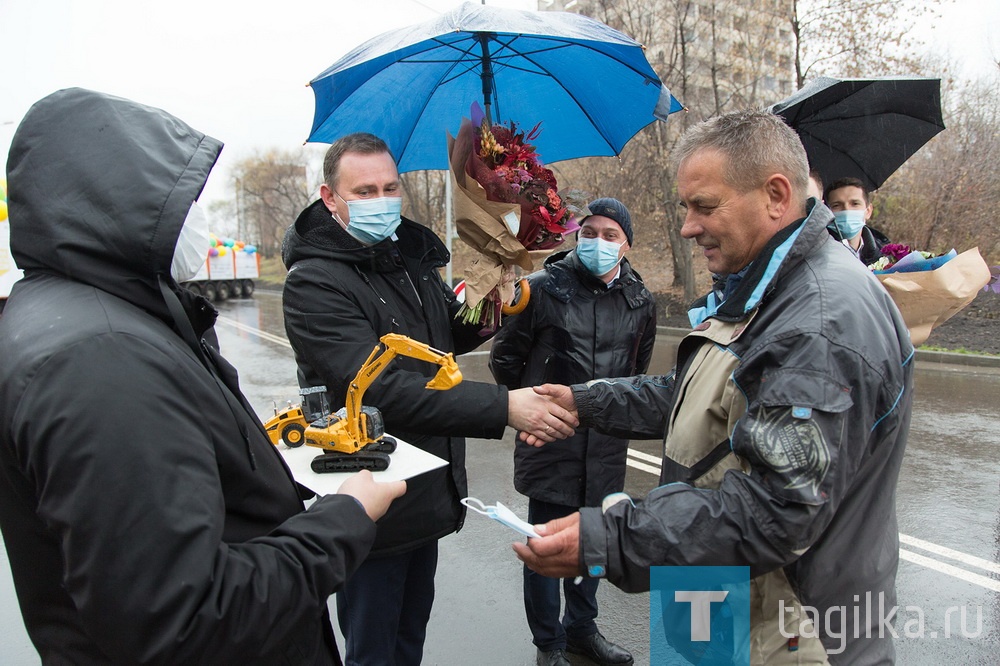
(642, 466)
(941, 567)
(284, 341)
(964, 558)
(656, 460)
(256, 331)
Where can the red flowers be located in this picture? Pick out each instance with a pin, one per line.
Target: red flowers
(510, 170)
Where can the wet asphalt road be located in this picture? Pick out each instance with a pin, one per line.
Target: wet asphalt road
(948, 504)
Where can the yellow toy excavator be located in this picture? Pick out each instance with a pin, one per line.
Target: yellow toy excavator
(354, 436)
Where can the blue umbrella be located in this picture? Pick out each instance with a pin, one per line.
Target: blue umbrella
(590, 85)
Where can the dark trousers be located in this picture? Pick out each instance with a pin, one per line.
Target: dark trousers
(384, 607)
(541, 594)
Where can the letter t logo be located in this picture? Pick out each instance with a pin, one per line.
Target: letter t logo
(701, 607)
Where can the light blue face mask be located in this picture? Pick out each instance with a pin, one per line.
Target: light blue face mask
(373, 220)
(502, 515)
(598, 255)
(849, 223)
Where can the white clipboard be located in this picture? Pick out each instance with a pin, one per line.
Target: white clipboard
(406, 462)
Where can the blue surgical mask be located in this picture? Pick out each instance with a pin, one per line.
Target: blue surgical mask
(849, 223)
(501, 514)
(598, 255)
(373, 220)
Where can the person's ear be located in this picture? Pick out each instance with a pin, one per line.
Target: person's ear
(778, 190)
(326, 194)
(869, 209)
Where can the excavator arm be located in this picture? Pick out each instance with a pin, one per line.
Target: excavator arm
(392, 345)
(354, 437)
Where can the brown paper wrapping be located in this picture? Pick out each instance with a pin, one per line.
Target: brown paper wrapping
(929, 298)
(479, 222)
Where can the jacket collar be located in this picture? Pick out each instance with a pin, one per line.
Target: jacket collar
(316, 235)
(567, 275)
(786, 249)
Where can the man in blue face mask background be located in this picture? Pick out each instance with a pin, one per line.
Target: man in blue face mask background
(851, 204)
(589, 316)
(356, 271)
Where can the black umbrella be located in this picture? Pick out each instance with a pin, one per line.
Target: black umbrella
(863, 128)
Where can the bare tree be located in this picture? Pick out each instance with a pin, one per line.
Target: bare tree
(272, 188)
(854, 38)
(424, 198)
(946, 196)
(714, 55)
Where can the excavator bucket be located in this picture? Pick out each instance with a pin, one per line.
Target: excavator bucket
(448, 375)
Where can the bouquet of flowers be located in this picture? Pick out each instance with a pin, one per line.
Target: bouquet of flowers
(507, 206)
(929, 289)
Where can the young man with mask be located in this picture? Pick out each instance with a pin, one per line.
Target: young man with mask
(589, 316)
(852, 208)
(356, 271)
(136, 533)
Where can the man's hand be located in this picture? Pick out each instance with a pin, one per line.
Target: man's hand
(374, 495)
(562, 397)
(556, 553)
(540, 418)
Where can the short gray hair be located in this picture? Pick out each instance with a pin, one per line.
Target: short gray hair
(756, 144)
(359, 142)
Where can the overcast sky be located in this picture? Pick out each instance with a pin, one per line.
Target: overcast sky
(238, 70)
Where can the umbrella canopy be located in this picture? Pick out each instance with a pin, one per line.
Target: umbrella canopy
(863, 128)
(590, 85)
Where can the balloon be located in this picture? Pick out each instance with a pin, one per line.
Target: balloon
(213, 252)
(213, 241)
(250, 249)
(3, 189)
(229, 242)
(222, 251)
(3, 211)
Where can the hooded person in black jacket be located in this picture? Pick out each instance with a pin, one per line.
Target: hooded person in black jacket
(589, 316)
(146, 515)
(356, 271)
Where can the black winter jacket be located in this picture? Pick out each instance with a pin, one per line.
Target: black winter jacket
(339, 298)
(872, 241)
(147, 517)
(575, 329)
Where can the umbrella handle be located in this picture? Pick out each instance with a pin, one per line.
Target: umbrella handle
(518, 307)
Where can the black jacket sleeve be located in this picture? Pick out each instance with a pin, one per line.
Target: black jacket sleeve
(627, 407)
(644, 354)
(512, 346)
(128, 478)
(333, 334)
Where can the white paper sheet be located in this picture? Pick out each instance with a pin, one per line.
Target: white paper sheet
(405, 462)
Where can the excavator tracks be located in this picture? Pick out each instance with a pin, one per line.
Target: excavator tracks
(354, 462)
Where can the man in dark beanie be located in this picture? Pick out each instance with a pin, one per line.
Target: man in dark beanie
(589, 316)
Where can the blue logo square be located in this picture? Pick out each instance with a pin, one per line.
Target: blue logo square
(699, 615)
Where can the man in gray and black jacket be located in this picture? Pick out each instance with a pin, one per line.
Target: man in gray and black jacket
(785, 420)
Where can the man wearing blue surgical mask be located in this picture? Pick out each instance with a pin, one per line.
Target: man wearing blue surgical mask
(589, 316)
(852, 208)
(356, 271)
